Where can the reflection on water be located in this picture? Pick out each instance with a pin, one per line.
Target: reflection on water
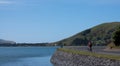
(26, 56)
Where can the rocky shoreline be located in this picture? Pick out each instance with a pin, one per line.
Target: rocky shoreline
(61, 58)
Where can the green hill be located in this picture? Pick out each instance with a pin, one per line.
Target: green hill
(99, 35)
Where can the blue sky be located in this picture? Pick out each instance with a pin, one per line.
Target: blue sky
(53, 20)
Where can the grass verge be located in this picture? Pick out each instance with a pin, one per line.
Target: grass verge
(114, 57)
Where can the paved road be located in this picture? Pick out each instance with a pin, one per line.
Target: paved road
(96, 49)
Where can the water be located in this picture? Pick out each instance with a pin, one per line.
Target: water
(26, 56)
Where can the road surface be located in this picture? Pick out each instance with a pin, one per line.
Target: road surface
(96, 49)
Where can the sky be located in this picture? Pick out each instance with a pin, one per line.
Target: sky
(37, 21)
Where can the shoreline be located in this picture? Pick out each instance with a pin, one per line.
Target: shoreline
(67, 57)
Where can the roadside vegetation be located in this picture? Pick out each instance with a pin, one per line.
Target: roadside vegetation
(115, 39)
(113, 46)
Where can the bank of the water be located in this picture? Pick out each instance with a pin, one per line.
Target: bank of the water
(26, 56)
(67, 57)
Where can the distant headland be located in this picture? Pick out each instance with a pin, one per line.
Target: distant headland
(8, 43)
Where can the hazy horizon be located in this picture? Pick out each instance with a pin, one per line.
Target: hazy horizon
(37, 21)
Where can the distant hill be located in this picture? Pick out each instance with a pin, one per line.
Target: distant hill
(99, 35)
(6, 42)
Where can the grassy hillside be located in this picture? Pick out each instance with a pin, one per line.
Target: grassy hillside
(101, 34)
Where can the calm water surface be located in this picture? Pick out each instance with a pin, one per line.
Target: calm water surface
(26, 56)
